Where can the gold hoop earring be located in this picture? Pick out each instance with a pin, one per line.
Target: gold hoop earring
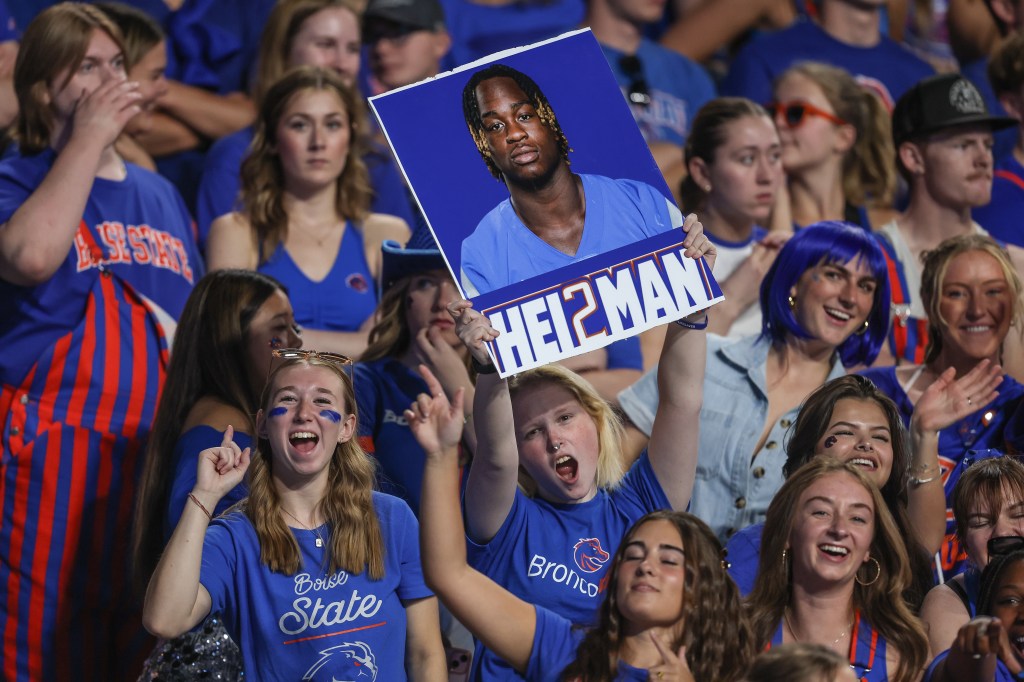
(863, 330)
(878, 573)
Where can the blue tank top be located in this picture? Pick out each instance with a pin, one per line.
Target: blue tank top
(342, 300)
(866, 652)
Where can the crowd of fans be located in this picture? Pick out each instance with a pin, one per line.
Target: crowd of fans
(303, 464)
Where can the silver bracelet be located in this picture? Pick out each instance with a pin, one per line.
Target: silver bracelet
(921, 481)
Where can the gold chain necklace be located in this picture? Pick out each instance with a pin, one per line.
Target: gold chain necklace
(319, 538)
(785, 617)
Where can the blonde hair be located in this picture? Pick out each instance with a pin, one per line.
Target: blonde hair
(263, 175)
(55, 41)
(610, 468)
(868, 174)
(283, 24)
(356, 543)
(936, 265)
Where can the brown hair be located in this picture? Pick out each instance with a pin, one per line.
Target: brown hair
(717, 636)
(707, 134)
(811, 424)
(263, 176)
(1006, 66)
(55, 41)
(936, 264)
(356, 543)
(209, 359)
(880, 601)
(986, 483)
(796, 662)
(140, 32)
(283, 24)
(610, 469)
(868, 173)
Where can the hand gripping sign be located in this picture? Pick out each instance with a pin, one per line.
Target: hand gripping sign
(545, 201)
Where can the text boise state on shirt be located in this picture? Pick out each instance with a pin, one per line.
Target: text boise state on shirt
(138, 244)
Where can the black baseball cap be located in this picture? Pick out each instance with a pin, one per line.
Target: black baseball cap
(940, 102)
(424, 15)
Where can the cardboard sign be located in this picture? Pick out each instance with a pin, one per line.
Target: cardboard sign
(545, 201)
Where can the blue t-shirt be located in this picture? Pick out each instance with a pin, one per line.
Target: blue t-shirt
(557, 555)
(555, 641)
(136, 229)
(313, 626)
(220, 185)
(677, 85)
(1001, 217)
(1005, 139)
(384, 390)
(342, 300)
(502, 250)
(186, 459)
(478, 30)
(888, 69)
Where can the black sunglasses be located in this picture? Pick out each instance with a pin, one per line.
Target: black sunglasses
(638, 93)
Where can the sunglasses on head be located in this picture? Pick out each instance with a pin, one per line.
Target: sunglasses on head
(637, 93)
(793, 114)
(342, 362)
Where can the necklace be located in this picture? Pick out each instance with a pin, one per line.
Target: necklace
(324, 234)
(785, 617)
(319, 538)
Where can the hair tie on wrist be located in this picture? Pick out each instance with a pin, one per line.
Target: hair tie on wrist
(489, 368)
(200, 505)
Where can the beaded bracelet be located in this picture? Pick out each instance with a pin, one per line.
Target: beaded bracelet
(200, 505)
(683, 322)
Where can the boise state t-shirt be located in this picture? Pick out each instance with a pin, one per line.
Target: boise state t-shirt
(314, 625)
(557, 555)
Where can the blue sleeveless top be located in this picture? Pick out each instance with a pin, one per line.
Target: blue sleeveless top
(866, 653)
(342, 300)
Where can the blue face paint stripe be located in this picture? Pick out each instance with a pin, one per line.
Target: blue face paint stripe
(277, 412)
(332, 415)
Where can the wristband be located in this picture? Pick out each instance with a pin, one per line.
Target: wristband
(200, 505)
(683, 322)
(489, 368)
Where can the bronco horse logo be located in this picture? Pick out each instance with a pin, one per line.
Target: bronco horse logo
(348, 662)
(588, 555)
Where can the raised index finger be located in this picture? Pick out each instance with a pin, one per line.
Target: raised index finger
(433, 385)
